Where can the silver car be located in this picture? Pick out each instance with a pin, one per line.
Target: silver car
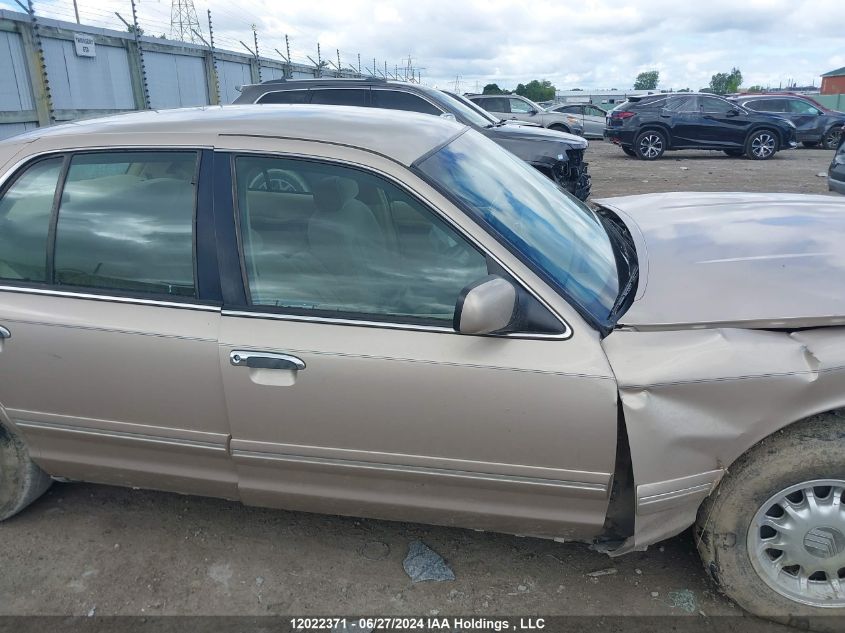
(522, 109)
(386, 314)
(592, 117)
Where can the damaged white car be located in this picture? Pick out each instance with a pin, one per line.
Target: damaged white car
(386, 314)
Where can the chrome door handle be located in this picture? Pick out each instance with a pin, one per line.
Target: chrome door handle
(4, 333)
(265, 360)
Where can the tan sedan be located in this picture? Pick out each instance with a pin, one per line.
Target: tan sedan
(386, 314)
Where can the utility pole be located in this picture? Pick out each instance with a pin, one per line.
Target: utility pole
(76, 12)
(287, 48)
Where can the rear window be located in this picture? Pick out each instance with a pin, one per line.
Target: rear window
(126, 222)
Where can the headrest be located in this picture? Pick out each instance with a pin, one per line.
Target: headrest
(333, 192)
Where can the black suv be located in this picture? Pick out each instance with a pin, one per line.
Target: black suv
(815, 124)
(558, 155)
(647, 126)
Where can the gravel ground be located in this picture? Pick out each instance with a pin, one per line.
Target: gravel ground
(85, 549)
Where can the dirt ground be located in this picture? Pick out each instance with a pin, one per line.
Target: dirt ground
(86, 549)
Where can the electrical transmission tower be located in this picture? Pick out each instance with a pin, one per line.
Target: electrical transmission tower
(184, 24)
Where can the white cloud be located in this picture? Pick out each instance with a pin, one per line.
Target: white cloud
(588, 44)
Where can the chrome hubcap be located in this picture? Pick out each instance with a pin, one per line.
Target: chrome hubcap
(763, 145)
(651, 146)
(833, 137)
(796, 542)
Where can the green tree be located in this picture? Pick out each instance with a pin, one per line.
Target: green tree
(493, 89)
(684, 90)
(725, 83)
(756, 89)
(537, 90)
(647, 80)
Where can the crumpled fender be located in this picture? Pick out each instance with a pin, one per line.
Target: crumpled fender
(694, 400)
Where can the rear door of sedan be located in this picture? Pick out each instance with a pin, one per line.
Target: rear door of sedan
(109, 305)
(347, 389)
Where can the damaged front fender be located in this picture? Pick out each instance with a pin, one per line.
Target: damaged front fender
(695, 400)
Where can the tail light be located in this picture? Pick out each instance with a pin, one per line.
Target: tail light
(621, 115)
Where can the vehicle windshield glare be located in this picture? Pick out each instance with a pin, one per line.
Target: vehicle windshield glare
(461, 99)
(557, 235)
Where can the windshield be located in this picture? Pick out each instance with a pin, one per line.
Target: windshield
(490, 118)
(561, 238)
(457, 107)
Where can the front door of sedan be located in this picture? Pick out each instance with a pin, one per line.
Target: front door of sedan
(349, 392)
(521, 109)
(808, 120)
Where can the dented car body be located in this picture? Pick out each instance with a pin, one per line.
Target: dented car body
(386, 314)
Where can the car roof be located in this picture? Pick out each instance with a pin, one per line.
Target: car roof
(402, 136)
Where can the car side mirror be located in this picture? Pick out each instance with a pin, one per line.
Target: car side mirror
(532, 112)
(486, 306)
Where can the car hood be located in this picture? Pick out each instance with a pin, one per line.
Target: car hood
(532, 133)
(735, 260)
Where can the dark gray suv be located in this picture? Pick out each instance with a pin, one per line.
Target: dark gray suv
(815, 124)
(558, 155)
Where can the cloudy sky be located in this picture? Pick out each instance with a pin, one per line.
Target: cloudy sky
(584, 44)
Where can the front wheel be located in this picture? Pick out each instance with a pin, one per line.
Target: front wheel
(650, 145)
(761, 145)
(831, 138)
(772, 535)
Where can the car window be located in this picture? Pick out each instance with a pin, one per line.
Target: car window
(493, 104)
(340, 96)
(355, 246)
(519, 106)
(767, 105)
(797, 106)
(286, 96)
(594, 111)
(570, 108)
(687, 103)
(399, 100)
(25, 210)
(713, 105)
(126, 222)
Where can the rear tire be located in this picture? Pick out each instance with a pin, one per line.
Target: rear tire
(735, 153)
(629, 151)
(831, 138)
(761, 145)
(21, 480)
(776, 522)
(650, 145)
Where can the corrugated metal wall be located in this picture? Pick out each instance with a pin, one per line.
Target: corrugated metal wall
(15, 89)
(88, 83)
(81, 86)
(176, 81)
(230, 75)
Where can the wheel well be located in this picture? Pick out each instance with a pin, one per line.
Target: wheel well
(655, 128)
(559, 126)
(619, 522)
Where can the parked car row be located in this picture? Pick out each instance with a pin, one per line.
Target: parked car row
(556, 153)
(646, 127)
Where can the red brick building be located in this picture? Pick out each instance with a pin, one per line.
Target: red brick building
(833, 83)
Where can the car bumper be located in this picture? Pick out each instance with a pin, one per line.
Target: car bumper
(833, 184)
(619, 136)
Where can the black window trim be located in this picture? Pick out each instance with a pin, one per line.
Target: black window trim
(243, 308)
(197, 302)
